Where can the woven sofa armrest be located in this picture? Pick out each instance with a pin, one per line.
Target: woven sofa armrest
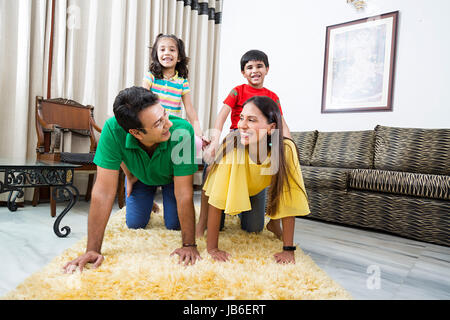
(305, 141)
(402, 183)
(324, 177)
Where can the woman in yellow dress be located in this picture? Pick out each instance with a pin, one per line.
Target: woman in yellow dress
(250, 159)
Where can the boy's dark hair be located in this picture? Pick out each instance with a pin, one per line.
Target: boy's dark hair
(254, 55)
(127, 105)
(182, 66)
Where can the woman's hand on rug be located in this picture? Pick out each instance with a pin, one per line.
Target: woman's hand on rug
(219, 255)
(285, 257)
(187, 255)
(89, 257)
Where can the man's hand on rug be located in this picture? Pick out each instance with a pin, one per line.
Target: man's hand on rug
(219, 255)
(187, 255)
(285, 257)
(89, 257)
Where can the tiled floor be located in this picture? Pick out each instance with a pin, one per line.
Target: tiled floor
(373, 265)
(369, 265)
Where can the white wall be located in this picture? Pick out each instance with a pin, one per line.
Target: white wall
(292, 33)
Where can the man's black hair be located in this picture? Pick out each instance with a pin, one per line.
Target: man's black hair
(254, 55)
(128, 103)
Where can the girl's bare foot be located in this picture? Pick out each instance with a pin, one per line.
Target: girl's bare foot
(275, 227)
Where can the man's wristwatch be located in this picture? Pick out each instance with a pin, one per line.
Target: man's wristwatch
(189, 245)
(289, 248)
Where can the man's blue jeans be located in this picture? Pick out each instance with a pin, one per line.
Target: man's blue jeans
(140, 202)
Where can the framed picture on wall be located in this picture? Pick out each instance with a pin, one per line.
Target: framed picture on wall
(359, 65)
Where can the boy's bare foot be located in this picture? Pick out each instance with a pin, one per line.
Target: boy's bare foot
(275, 227)
(203, 217)
(155, 207)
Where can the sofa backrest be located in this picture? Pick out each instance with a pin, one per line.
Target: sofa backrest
(412, 150)
(346, 149)
(305, 141)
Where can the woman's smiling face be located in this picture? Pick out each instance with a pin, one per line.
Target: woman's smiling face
(253, 125)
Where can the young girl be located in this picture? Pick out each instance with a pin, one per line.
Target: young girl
(243, 170)
(167, 78)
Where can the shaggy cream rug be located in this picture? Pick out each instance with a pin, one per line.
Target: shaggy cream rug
(138, 266)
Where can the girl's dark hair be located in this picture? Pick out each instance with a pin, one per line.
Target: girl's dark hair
(280, 178)
(254, 55)
(182, 66)
(127, 105)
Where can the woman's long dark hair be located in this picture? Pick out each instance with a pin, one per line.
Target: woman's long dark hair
(280, 179)
(181, 67)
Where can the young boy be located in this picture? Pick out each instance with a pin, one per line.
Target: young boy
(254, 68)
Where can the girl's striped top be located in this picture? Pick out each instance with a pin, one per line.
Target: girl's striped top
(169, 91)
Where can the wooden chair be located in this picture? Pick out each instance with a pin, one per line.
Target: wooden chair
(53, 118)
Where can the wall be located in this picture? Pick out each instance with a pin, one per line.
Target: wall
(292, 33)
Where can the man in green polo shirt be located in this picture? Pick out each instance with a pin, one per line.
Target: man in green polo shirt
(154, 149)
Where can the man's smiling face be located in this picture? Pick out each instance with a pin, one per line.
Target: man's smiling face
(156, 124)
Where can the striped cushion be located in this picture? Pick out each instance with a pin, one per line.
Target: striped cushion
(329, 178)
(412, 184)
(412, 150)
(347, 149)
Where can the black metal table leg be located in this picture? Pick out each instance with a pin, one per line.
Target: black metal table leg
(20, 175)
(11, 203)
(61, 194)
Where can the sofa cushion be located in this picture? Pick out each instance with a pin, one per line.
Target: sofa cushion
(305, 141)
(320, 177)
(347, 149)
(404, 183)
(412, 150)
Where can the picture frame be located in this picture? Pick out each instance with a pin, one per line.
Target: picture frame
(359, 65)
